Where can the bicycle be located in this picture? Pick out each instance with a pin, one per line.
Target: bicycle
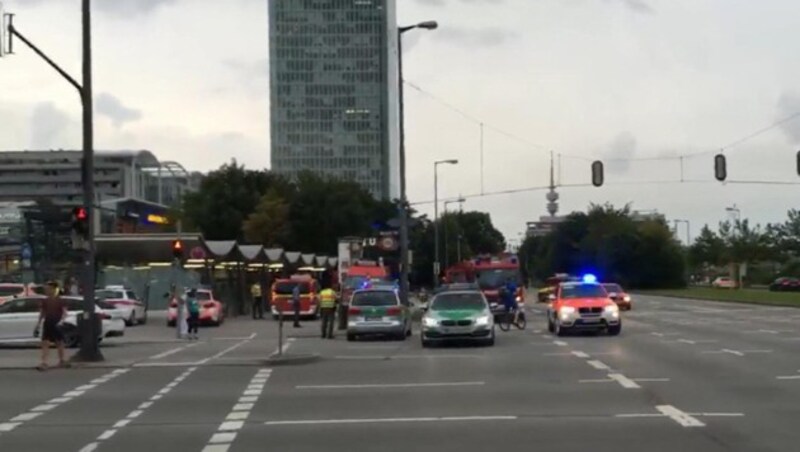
(507, 319)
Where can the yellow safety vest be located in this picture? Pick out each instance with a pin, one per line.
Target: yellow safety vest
(327, 299)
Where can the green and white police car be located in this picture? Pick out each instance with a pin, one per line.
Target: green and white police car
(458, 316)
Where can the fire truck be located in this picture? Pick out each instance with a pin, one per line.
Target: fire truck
(491, 273)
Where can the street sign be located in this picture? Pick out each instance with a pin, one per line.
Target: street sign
(25, 251)
(197, 253)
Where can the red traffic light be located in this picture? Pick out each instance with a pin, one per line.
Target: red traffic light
(80, 213)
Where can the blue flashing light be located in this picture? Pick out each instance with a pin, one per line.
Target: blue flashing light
(589, 278)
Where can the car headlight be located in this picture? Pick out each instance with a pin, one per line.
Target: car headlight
(483, 320)
(567, 310)
(612, 309)
(429, 322)
(626, 298)
(519, 299)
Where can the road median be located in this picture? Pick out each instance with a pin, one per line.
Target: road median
(745, 296)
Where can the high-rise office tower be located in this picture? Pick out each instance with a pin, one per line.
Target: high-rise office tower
(333, 90)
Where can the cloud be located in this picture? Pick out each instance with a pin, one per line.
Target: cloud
(637, 6)
(475, 37)
(253, 75)
(48, 126)
(122, 8)
(620, 150)
(789, 105)
(113, 109)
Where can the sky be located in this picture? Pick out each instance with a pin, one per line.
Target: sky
(635, 83)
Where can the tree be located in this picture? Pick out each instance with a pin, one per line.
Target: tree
(269, 224)
(707, 249)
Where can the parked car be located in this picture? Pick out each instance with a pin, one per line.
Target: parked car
(126, 300)
(18, 319)
(723, 282)
(212, 311)
(785, 284)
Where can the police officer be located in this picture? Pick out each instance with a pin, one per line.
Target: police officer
(327, 305)
(258, 301)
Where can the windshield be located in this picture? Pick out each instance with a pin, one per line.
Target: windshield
(583, 291)
(109, 294)
(7, 291)
(454, 301)
(494, 279)
(613, 288)
(202, 296)
(374, 298)
(286, 287)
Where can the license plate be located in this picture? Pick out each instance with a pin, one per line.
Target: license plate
(591, 320)
(373, 318)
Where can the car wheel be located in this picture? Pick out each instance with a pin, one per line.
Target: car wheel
(425, 344)
(71, 337)
(490, 342)
(351, 337)
(614, 330)
(550, 327)
(132, 319)
(558, 329)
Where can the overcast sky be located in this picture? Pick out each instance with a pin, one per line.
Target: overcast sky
(606, 79)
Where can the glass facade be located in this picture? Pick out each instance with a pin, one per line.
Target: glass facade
(331, 92)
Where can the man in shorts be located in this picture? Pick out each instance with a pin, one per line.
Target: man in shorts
(51, 314)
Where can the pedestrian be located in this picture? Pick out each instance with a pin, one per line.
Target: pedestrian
(74, 288)
(258, 301)
(296, 303)
(51, 313)
(327, 306)
(193, 306)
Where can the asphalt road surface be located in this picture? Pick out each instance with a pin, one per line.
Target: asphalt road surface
(684, 375)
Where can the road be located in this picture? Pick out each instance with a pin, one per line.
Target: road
(685, 375)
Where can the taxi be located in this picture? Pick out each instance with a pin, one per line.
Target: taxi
(582, 306)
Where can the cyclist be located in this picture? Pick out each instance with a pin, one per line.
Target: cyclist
(509, 295)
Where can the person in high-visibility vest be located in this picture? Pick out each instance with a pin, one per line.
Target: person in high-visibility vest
(327, 305)
(258, 301)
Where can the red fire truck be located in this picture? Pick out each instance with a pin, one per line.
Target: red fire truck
(491, 273)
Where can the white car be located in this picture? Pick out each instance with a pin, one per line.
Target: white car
(18, 319)
(125, 300)
(723, 282)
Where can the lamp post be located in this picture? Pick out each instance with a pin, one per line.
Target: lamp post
(427, 25)
(688, 230)
(446, 242)
(734, 212)
(436, 262)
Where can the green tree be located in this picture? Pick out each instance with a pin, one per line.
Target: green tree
(708, 249)
(269, 224)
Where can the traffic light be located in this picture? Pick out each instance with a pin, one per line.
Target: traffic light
(597, 173)
(720, 167)
(798, 163)
(177, 249)
(80, 221)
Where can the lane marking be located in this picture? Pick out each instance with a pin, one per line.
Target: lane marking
(51, 404)
(560, 343)
(124, 422)
(390, 357)
(580, 354)
(389, 385)
(717, 414)
(686, 341)
(682, 418)
(392, 420)
(789, 377)
(599, 365)
(597, 380)
(649, 380)
(227, 350)
(284, 347)
(227, 431)
(624, 381)
(173, 351)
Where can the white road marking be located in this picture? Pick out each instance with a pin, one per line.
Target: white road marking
(89, 447)
(390, 357)
(687, 341)
(171, 352)
(580, 354)
(789, 377)
(558, 354)
(37, 411)
(392, 420)
(389, 385)
(283, 348)
(599, 365)
(596, 380)
(682, 418)
(122, 423)
(637, 415)
(717, 414)
(170, 364)
(560, 343)
(648, 380)
(658, 334)
(227, 431)
(624, 381)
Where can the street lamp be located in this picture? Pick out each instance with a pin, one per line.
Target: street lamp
(436, 265)
(734, 211)
(446, 242)
(427, 25)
